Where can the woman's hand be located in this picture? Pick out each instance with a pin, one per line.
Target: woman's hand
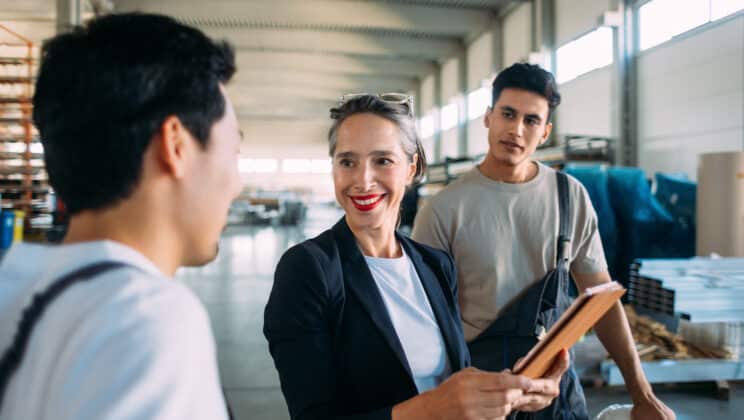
(468, 394)
(546, 389)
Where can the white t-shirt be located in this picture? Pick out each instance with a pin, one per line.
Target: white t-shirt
(413, 319)
(503, 238)
(128, 344)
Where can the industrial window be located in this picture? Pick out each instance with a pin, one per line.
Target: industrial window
(450, 116)
(296, 166)
(723, 8)
(306, 166)
(320, 166)
(261, 166)
(584, 54)
(478, 101)
(426, 126)
(661, 20)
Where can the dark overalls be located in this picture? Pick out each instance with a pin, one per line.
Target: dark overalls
(515, 332)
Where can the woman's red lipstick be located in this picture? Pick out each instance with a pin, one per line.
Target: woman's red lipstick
(366, 202)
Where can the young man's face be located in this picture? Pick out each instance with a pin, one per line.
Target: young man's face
(517, 123)
(213, 183)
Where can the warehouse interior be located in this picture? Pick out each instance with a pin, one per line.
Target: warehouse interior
(651, 123)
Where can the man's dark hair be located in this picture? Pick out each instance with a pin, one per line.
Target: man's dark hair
(531, 78)
(104, 90)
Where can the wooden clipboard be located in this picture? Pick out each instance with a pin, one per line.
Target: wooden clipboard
(583, 313)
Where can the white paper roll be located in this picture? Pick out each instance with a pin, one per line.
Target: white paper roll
(720, 204)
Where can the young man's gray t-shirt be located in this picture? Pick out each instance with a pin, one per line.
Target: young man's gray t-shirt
(503, 238)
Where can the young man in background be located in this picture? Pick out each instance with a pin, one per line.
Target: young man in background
(515, 256)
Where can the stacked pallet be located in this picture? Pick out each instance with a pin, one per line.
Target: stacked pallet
(708, 295)
(649, 293)
(655, 342)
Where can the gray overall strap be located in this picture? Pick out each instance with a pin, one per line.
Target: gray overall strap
(564, 214)
(13, 356)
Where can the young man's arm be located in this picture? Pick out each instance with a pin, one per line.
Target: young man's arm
(613, 331)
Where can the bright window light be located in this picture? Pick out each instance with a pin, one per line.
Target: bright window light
(18, 147)
(478, 101)
(426, 126)
(723, 8)
(660, 20)
(320, 166)
(296, 166)
(450, 116)
(258, 165)
(582, 55)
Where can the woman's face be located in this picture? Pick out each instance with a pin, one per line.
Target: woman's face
(370, 171)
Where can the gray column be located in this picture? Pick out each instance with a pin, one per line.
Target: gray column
(498, 46)
(462, 124)
(69, 14)
(417, 111)
(543, 42)
(624, 86)
(438, 105)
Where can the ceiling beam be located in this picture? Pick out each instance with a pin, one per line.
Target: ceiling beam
(320, 14)
(303, 40)
(257, 95)
(298, 108)
(334, 64)
(34, 10)
(339, 83)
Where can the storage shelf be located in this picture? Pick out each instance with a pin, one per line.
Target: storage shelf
(16, 80)
(16, 120)
(23, 179)
(16, 61)
(6, 100)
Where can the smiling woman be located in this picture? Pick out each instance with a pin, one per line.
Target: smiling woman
(371, 171)
(361, 320)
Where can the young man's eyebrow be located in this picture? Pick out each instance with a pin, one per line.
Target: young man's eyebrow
(510, 109)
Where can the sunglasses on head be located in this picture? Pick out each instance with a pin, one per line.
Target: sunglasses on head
(394, 98)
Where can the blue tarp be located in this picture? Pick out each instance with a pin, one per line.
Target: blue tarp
(633, 222)
(678, 195)
(595, 180)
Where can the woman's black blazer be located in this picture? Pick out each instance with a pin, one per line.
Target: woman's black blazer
(331, 337)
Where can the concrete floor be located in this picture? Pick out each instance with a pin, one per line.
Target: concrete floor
(235, 288)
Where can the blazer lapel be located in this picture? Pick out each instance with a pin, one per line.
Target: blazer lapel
(359, 280)
(439, 304)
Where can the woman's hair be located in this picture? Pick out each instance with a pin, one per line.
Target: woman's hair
(399, 113)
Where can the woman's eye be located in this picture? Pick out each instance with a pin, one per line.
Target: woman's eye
(345, 162)
(384, 161)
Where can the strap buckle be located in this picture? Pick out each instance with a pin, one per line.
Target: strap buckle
(563, 247)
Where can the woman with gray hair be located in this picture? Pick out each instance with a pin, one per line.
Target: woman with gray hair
(362, 322)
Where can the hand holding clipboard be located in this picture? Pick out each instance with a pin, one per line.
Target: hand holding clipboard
(583, 313)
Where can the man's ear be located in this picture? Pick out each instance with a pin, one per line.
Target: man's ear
(486, 121)
(171, 144)
(546, 134)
